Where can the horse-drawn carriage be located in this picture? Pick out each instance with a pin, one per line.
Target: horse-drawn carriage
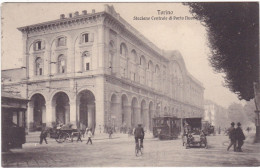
(64, 133)
(192, 133)
(166, 127)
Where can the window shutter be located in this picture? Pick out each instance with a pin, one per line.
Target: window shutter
(34, 46)
(91, 38)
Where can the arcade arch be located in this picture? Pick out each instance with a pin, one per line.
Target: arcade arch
(38, 106)
(134, 112)
(60, 103)
(87, 109)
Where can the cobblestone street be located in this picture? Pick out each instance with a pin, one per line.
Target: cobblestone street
(120, 152)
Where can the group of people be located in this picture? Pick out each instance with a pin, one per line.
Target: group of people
(236, 137)
(45, 131)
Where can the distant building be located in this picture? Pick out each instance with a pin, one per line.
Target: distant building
(97, 70)
(215, 114)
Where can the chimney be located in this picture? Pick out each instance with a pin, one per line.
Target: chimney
(84, 12)
(76, 13)
(93, 11)
(62, 16)
(70, 15)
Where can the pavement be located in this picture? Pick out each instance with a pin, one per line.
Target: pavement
(119, 152)
(34, 137)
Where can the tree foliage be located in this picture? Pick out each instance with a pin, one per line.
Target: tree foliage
(233, 36)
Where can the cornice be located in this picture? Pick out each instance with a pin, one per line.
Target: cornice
(125, 28)
(60, 23)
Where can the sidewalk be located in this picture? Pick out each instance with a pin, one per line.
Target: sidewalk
(34, 137)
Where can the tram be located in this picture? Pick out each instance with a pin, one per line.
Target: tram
(13, 121)
(166, 127)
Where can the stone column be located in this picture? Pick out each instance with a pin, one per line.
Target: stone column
(91, 116)
(145, 119)
(127, 113)
(30, 116)
(46, 62)
(100, 102)
(137, 115)
(50, 113)
(73, 110)
(101, 45)
(152, 113)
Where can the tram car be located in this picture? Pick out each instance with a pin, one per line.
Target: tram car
(166, 127)
(13, 109)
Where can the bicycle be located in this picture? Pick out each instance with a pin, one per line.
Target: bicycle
(138, 148)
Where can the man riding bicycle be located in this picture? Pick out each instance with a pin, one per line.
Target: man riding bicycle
(139, 134)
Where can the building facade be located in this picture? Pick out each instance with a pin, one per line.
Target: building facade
(216, 114)
(96, 69)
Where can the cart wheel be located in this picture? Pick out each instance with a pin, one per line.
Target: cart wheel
(59, 139)
(63, 137)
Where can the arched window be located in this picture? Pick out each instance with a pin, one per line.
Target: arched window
(123, 50)
(39, 66)
(134, 62)
(61, 41)
(61, 64)
(86, 61)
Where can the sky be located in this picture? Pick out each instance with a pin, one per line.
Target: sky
(187, 36)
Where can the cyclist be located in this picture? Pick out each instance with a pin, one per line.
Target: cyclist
(139, 134)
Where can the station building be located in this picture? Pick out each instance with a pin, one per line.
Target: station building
(96, 69)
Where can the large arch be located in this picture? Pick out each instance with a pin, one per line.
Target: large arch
(87, 109)
(115, 115)
(60, 103)
(37, 105)
(134, 112)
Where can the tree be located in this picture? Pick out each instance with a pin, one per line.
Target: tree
(233, 35)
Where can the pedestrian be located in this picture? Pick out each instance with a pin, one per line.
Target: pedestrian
(89, 136)
(79, 135)
(240, 137)
(232, 136)
(43, 135)
(110, 132)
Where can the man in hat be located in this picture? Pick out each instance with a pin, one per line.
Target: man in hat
(240, 137)
(44, 134)
(139, 134)
(232, 136)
